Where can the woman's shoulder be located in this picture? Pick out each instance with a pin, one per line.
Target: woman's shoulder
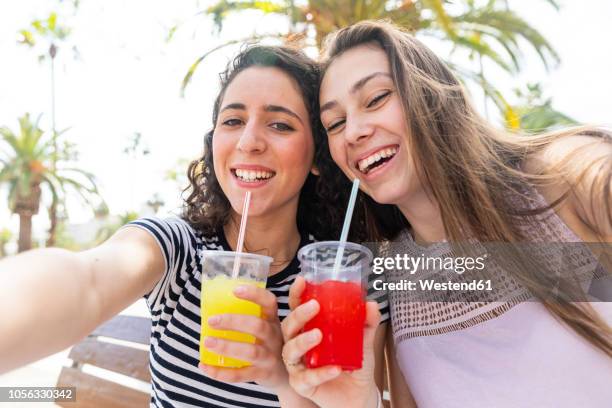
(570, 153)
(578, 168)
(178, 231)
(169, 226)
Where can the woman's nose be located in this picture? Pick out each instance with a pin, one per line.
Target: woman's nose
(251, 140)
(357, 130)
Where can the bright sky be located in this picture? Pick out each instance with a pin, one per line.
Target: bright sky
(127, 80)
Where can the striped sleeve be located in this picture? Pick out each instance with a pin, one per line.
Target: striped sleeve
(176, 242)
(380, 296)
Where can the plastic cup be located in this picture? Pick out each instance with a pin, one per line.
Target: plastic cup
(341, 296)
(218, 297)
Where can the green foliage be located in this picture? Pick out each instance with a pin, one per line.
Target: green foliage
(49, 31)
(178, 174)
(488, 30)
(5, 237)
(536, 112)
(222, 9)
(27, 157)
(63, 238)
(496, 33)
(491, 30)
(106, 231)
(136, 146)
(191, 71)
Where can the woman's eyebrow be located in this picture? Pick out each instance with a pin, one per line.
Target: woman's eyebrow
(361, 83)
(356, 87)
(267, 108)
(240, 106)
(278, 108)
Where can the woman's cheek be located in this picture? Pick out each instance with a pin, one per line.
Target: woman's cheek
(335, 151)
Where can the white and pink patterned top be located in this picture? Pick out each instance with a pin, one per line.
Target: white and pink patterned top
(506, 353)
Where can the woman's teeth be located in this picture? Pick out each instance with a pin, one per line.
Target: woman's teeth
(375, 159)
(252, 175)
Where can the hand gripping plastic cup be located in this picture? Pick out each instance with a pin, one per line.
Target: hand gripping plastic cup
(218, 297)
(341, 296)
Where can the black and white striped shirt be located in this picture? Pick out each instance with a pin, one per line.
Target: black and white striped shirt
(174, 304)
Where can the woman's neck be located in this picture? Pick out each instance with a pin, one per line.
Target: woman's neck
(276, 236)
(423, 213)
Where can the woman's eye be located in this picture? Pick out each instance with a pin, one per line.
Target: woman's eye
(283, 127)
(378, 99)
(335, 125)
(232, 122)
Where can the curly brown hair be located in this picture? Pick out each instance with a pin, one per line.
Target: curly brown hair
(207, 208)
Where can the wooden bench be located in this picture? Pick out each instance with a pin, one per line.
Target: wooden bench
(124, 358)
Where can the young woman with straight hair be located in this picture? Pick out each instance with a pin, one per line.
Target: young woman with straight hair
(437, 180)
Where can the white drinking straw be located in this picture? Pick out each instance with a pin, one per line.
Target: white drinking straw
(241, 233)
(346, 227)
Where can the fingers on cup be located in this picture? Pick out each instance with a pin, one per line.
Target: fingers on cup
(296, 320)
(295, 292)
(261, 296)
(229, 375)
(294, 349)
(253, 353)
(305, 381)
(241, 323)
(372, 314)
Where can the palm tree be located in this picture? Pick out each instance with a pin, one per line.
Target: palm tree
(50, 34)
(27, 159)
(490, 31)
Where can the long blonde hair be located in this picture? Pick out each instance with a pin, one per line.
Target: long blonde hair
(471, 166)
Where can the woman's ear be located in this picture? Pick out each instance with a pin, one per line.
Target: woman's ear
(314, 170)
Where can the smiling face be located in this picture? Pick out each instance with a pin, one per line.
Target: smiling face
(263, 141)
(366, 127)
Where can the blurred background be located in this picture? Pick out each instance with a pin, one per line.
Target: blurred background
(104, 103)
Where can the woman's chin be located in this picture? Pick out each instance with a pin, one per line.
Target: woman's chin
(382, 196)
(255, 209)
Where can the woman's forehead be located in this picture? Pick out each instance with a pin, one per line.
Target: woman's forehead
(351, 66)
(264, 85)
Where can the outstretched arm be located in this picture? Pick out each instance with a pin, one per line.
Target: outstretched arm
(51, 298)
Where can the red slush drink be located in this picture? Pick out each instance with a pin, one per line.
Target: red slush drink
(341, 319)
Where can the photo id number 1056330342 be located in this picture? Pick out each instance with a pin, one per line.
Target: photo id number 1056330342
(37, 394)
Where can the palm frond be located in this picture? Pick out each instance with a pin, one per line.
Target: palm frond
(441, 17)
(188, 76)
(52, 188)
(223, 8)
(504, 26)
(544, 118)
(491, 92)
(9, 137)
(483, 49)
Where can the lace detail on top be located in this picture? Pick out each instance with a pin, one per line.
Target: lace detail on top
(426, 312)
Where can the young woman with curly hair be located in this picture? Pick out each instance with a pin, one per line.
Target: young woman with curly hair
(265, 137)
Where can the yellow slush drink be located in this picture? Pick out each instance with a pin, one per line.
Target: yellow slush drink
(218, 298)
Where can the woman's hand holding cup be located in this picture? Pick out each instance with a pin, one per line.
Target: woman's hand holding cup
(327, 386)
(266, 367)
